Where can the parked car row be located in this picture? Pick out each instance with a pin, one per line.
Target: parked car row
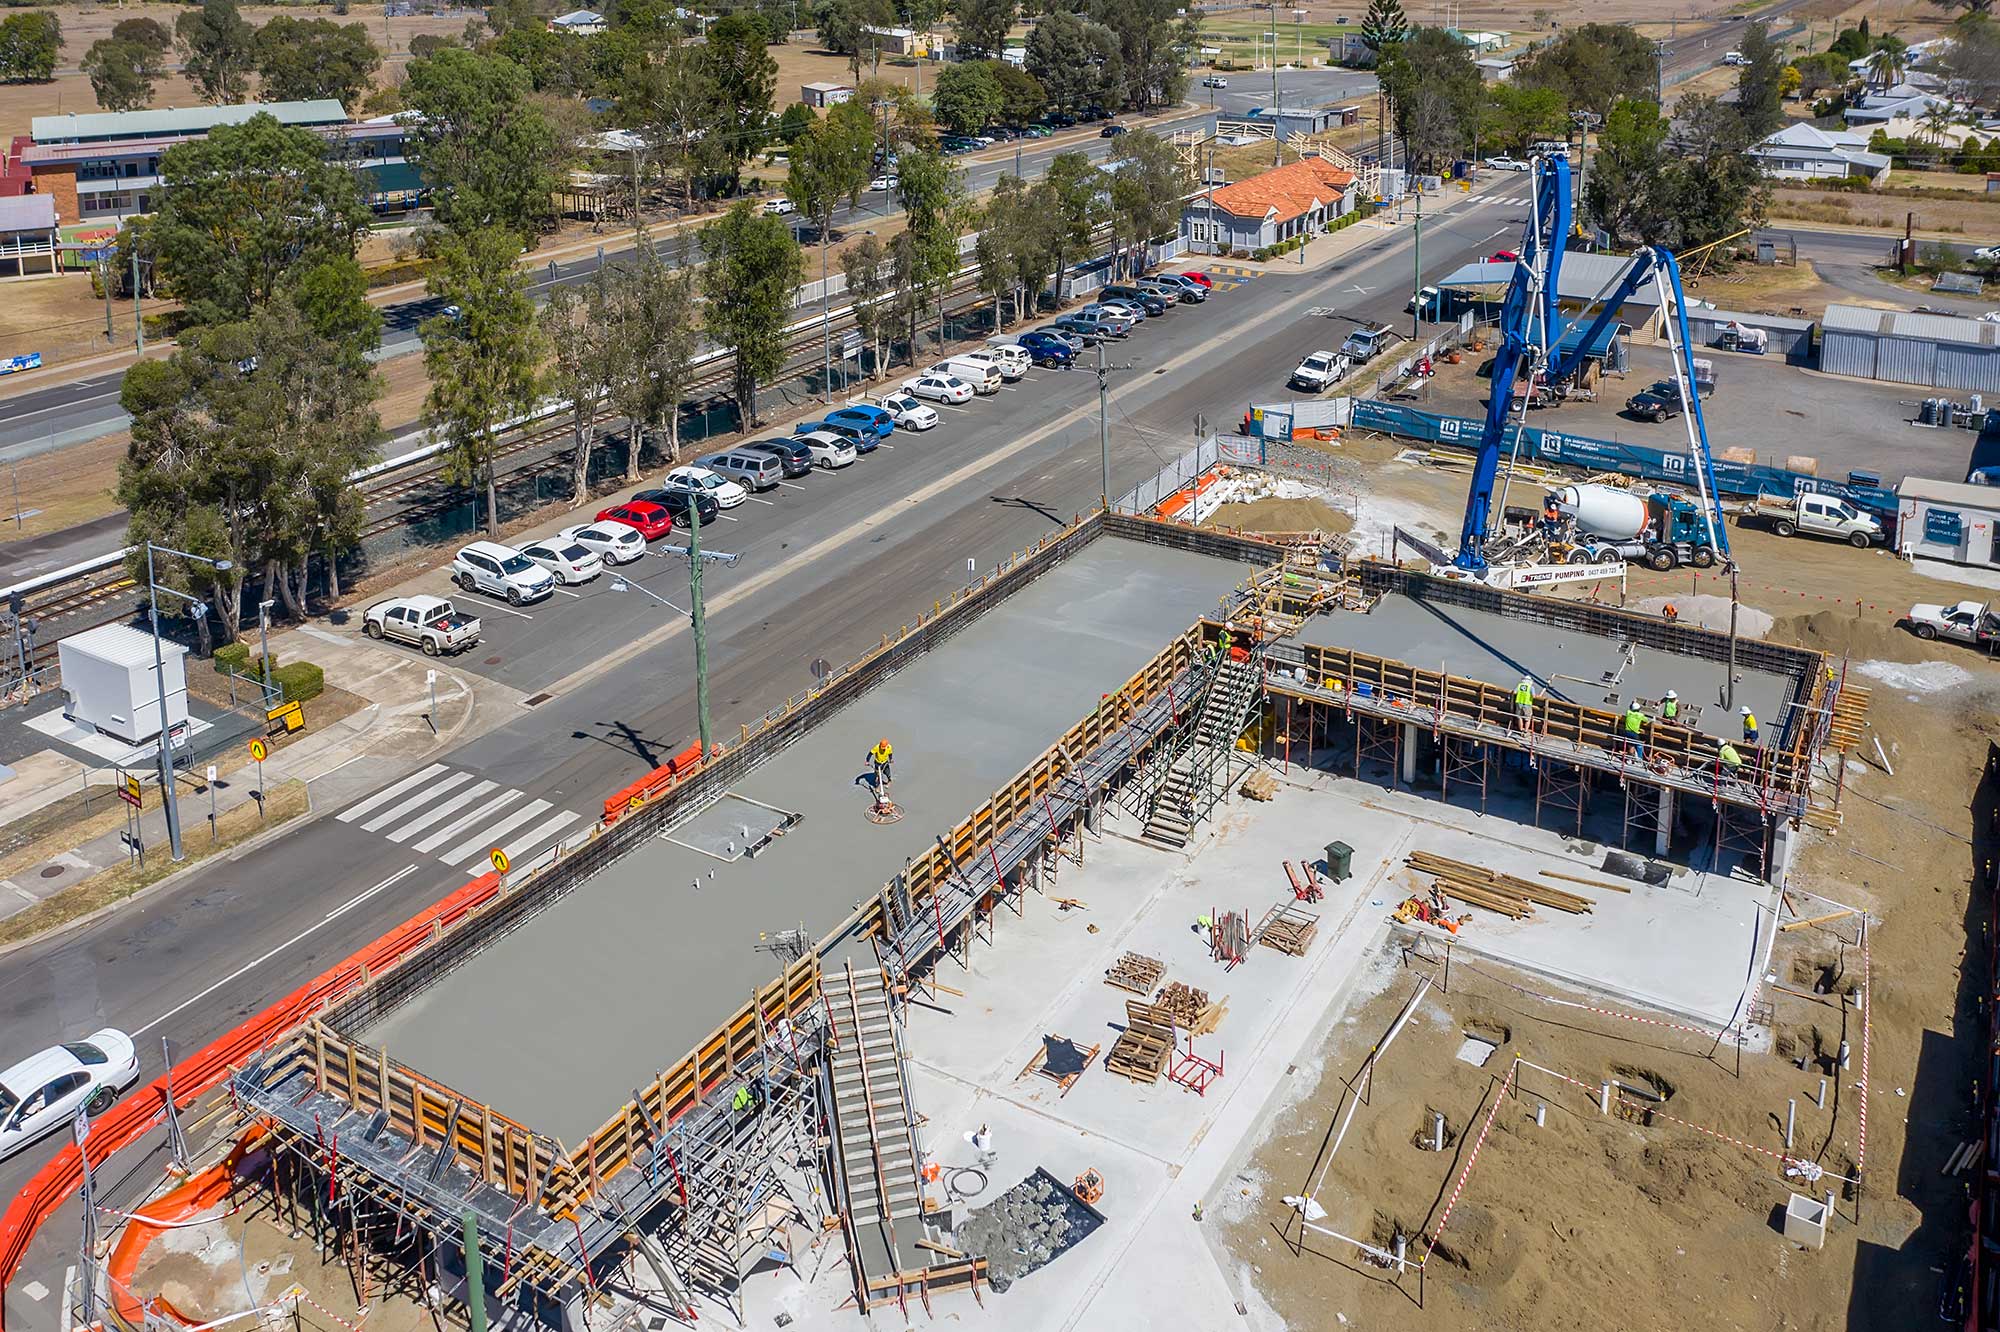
(1120, 308)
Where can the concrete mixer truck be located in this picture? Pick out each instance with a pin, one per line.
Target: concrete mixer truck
(1603, 523)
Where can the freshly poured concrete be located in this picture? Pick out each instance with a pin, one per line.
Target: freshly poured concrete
(1565, 664)
(557, 1024)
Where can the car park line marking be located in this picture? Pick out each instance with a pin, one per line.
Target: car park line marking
(348, 905)
(755, 500)
(793, 484)
(511, 611)
(567, 593)
(355, 811)
(429, 791)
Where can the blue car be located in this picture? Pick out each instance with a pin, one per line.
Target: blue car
(870, 418)
(862, 438)
(1046, 349)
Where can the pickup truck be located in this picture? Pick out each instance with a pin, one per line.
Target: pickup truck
(1968, 622)
(431, 623)
(1365, 344)
(1319, 372)
(1816, 515)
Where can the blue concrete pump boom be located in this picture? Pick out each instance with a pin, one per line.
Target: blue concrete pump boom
(1532, 328)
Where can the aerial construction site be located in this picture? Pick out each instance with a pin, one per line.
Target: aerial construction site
(1178, 925)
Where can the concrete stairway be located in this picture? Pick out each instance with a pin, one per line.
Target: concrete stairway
(877, 1142)
(1189, 787)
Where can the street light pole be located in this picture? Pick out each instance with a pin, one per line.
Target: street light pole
(700, 626)
(264, 645)
(1417, 271)
(200, 607)
(1104, 424)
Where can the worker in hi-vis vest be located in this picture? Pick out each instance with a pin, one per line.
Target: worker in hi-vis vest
(1732, 762)
(1749, 726)
(881, 756)
(1670, 706)
(1634, 728)
(1524, 703)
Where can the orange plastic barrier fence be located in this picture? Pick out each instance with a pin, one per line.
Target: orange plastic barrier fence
(136, 1115)
(201, 1192)
(675, 769)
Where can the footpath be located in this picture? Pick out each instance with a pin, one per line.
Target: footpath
(394, 729)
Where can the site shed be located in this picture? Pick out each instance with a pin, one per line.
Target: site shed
(1949, 520)
(107, 673)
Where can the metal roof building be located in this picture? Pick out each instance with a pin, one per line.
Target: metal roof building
(1933, 350)
(172, 122)
(1584, 275)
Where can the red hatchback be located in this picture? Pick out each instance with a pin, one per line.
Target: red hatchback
(1197, 276)
(652, 520)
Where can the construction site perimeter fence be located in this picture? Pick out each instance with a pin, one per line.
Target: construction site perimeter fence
(138, 1114)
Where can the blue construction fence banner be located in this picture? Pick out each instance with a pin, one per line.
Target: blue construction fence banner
(10, 364)
(1603, 455)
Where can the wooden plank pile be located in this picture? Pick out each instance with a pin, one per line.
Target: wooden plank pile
(1182, 1003)
(1135, 972)
(1143, 1048)
(1288, 929)
(1474, 885)
(1259, 785)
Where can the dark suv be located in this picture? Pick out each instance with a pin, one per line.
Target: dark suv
(796, 457)
(676, 503)
(1661, 402)
(1150, 302)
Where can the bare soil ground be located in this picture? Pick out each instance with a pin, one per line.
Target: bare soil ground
(1975, 215)
(83, 24)
(1282, 515)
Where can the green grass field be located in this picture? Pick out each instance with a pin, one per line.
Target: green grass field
(1239, 37)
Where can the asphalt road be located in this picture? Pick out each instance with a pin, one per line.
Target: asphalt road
(824, 572)
(61, 414)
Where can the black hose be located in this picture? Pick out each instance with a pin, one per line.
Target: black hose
(951, 1182)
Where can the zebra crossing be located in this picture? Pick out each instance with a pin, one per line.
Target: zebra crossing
(458, 817)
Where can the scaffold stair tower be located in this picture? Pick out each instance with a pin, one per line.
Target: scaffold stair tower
(872, 1118)
(1191, 786)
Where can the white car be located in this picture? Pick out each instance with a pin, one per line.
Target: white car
(1319, 372)
(1987, 254)
(780, 206)
(939, 388)
(908, 413)
(1735, 58)
(701, 481)
(569, 561)
(828, 449)
(1506, 164)
(43, 1092)
(884, 183)
(1215, 81)
(613, 541)
(502, 571)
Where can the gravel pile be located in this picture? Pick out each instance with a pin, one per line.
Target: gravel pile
(1025, 1228)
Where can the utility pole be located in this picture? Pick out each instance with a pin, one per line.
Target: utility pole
(1277, 143)
(104, 276)
(700, 622)
(1659, 72)
(825, 319)
(1417, 271)
(138, 317)
(1104, 424)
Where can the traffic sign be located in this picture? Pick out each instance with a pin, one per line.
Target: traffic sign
(128, 788)
(80, 1126)
(635, 802)
(259, 750)
(291, 716)
(500, 861)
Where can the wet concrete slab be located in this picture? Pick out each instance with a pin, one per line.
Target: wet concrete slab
(557, 1024)
(1568, 664)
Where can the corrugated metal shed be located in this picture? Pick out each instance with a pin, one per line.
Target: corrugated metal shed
(1583, 277)
(1933, 350)
(104, 126)
(1790, 338)
(1948, 492)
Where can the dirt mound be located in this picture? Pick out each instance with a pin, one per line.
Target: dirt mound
(1839, 633)
(1282, 515)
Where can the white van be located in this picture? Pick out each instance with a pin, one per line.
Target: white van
(1010, 357)
(972, 367)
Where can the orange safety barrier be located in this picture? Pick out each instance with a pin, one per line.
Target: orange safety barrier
(673, 771)
(136, 1115)
(1186, 495)
(201, 1192)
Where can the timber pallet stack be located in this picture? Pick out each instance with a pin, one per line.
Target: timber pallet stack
(1135, 972)
(1143, 1048)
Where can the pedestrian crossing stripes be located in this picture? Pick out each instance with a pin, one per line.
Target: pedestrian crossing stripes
(459, 817)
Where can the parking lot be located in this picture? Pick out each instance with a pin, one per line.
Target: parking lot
(1760, 403)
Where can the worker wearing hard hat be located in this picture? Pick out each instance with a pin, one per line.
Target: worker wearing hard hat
(1732, 762)
(1524, 703)
(1670, 707)
(881, 756)
(1634, 726)
(1749, 726)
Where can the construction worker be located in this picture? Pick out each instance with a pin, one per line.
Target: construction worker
(1634, 727)
(1749, 726)
(1524, 703)
(981, 1139)
(1670, 706)
(880, 756)
(1732, 762)
(742, 1100)
(1671, 612)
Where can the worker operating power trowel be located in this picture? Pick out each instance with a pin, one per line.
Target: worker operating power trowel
(881, 763)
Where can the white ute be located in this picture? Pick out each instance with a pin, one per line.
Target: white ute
(431, 623)
(1968, 622)
(1319, 372)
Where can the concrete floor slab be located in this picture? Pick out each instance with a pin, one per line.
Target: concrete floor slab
(556, 1024)
(1564, 664)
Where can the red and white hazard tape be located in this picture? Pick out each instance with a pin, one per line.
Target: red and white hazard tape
(1867, 1011)
(354, 1326)
(156, 1224)
(1700, 1128)
(1708, 1032)
(1465, 1174)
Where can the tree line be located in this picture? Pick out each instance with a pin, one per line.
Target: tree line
(291, 59)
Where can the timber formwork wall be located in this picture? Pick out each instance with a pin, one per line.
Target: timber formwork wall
(498, 1149)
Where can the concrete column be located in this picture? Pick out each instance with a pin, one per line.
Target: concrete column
(1663, 838)
(1784, 842)
(1409, 764)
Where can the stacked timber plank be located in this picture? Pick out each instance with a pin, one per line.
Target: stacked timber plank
(1475, 885)
(1259, 785)
(1183, 1003)
(1142, 1049)
(1135, 972)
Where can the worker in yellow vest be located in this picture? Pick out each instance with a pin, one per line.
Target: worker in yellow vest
(1670, 706)
(880, 756)
(1634, 727)
(1524, 703)
(1749, 726)
(1732, 762)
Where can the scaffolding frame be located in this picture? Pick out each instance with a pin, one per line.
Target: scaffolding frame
(1379, 740)
(1562, 787)
(1466, 760)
